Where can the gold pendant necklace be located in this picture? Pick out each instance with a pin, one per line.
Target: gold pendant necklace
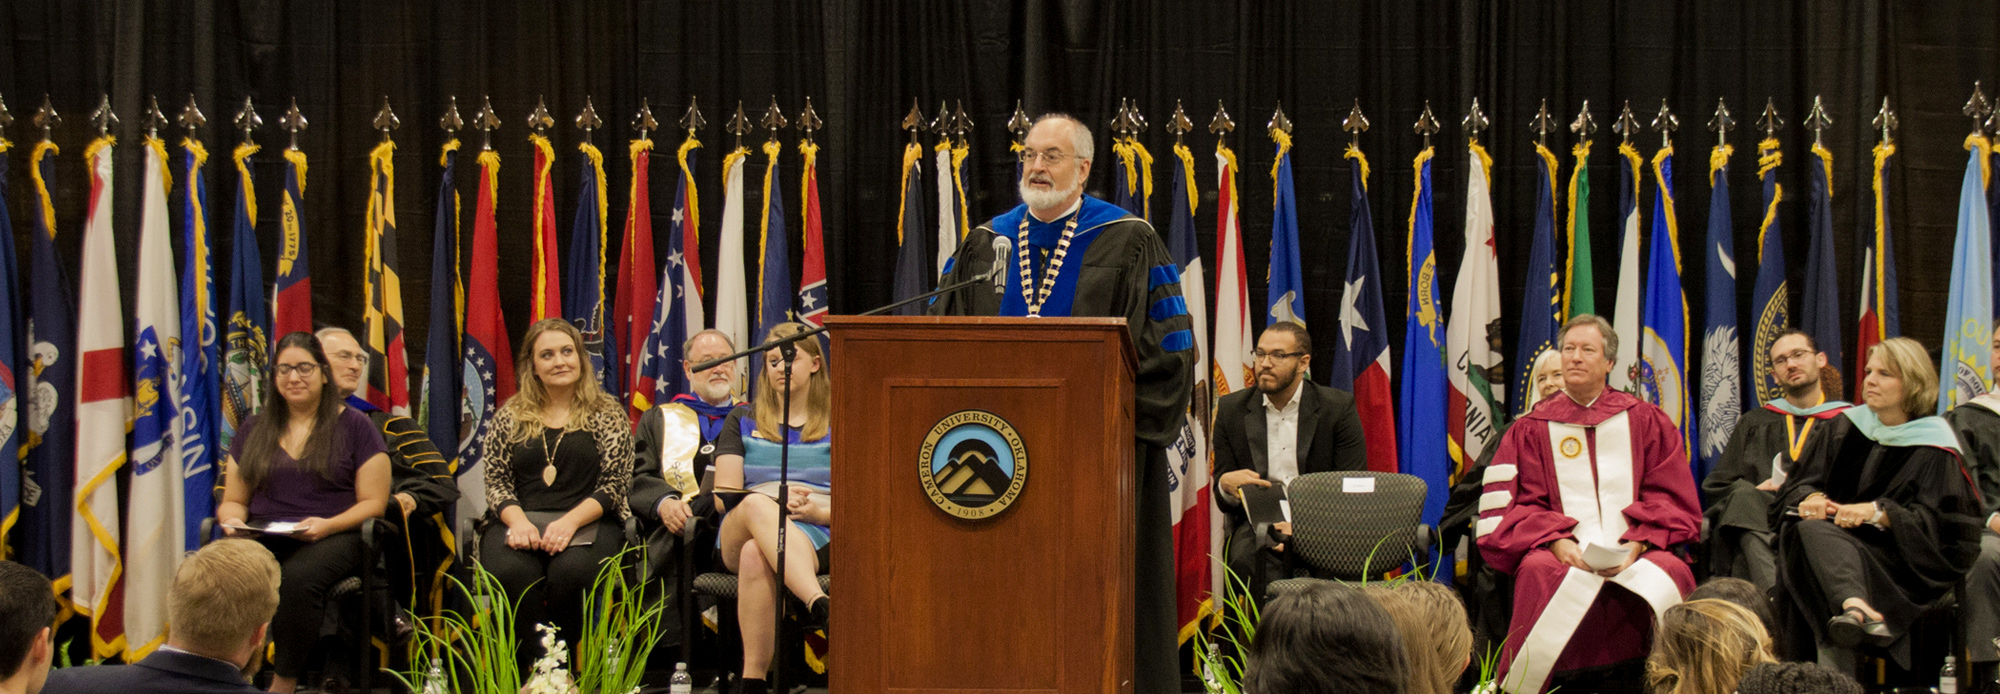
(1038, 296)
(549, 456)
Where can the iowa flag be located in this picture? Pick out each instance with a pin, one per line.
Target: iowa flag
(1541, 300)
(1770, 302)
(247, 353)
(1419, 430)
(1878, 273)
(489, 359)
(1478, 377)
(1233, 340)
(812, 272)
(442, 353)
(200, 378)
(1361, 357)
(291, 295)
(1721, 367)
(1819, 314)
(632, 313)
(154, 518)
(545, 288)
(48, 478)
(1197, 528)
(1288, 291)
(11, 333)
(104, 405)
(678, 314)
(1965, 371)
(1662, 375)
(382, 315)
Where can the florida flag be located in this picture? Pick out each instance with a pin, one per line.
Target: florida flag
(103, 407)
(1197, 528)
(1233, 339)
(1361, 357)
(153, 517)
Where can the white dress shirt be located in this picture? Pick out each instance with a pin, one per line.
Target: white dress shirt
(1281, 436)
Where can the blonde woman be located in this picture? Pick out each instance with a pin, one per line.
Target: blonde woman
(1436, 636)
(1705, 647)
(747, 457)
(558, 465)
(1880, 518)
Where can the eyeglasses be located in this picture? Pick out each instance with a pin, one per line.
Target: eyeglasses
(346, 356)
(1800, 355)
(305, 370)
(1053, 157)
(1261, 355)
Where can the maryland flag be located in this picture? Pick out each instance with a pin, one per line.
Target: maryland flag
(291, 295)
(812, 272)
(1232, 367)
(1770, 302)
(200, 362)
(545, 295)
(488, 359)
(48, 479)
(584, 295)
(382, 317)
(1878, 274)
(11, 462)
(153, 515)
(638, 288)
(247, 353)
(104, 407)
(1965, 371)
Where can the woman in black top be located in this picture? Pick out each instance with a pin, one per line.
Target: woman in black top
(558, 464)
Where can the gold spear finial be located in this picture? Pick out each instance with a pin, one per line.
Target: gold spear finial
(1355, 123)
(1221, 124)
(1019, 123)
(539, 120)
(774, 118)
(587, 120)
(1770, 122)
(1665, 124)
(809, 120)
(1584, 126)
(1475, 122)
(247, 119)
(6, 119)
(961, 124)
(1427, 124)
(914, 122)
(1178, 124)
(191, 117)
(1817, 120)
(1977, 107)
(450, 121)
(692, 120)
(1279, 121)
(738, 124)
(1626, 126)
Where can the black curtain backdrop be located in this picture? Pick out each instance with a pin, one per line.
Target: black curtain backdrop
(864, 63)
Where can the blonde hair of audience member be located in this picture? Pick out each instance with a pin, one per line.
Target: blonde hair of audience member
(1437, 637)
(819, 388)
(1548, 373)
(223, 599)
(531, 397)
(1904, 359)
(1705, 647)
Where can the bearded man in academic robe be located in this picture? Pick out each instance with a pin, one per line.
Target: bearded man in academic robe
(1880, 520)
(1764, 448)
(1076, 255)
(1597, 469)
(1978, 425)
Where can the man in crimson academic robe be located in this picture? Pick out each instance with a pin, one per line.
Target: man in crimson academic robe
(1602, 491)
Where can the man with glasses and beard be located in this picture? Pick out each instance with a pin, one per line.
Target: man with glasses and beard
(1076, 255)
(1767, 441)
(675, 445)
(1285, 427)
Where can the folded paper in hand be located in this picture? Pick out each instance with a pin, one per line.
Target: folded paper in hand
(1600, 557)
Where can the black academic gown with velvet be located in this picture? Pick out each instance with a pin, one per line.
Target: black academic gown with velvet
(1734, 504)
(1978, 428)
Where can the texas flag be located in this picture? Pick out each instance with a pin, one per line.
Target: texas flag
(1361, 357)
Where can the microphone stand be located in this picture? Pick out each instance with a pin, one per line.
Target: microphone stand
(788, 350)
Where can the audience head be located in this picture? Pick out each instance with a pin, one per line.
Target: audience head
(1704, 647)
(1436, 635)
(1745, 594)
(223, 599)
(1548, 373)
(1589, 348)
(1055, 162)
(715, 385)
(1326, 638)
(815, 386)
(1284, 353)
(1795, 363)
(27, 626)
(1796, 678)
(299, 383)
(350, 363)
(1901, 384)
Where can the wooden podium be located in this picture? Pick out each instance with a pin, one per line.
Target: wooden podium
(1036, 597)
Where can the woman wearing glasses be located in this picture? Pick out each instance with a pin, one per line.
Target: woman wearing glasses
(308, 470)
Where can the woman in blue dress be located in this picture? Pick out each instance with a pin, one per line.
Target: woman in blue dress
(747, 457)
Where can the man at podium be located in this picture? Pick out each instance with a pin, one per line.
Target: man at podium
(1071, 254)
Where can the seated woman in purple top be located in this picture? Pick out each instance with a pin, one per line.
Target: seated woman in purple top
(309, 460)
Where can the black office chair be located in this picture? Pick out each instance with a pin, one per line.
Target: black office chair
(364, 590)
(722, 586)
(1348, 526)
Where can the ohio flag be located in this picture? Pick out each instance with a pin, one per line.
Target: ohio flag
(678, 313)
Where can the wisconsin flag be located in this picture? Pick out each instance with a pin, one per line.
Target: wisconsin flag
(154, 532)
(1580, 285)
(632, 311)
(1878, 273)
(291, 295)
(442, 351)
(1288, 291)
(1965, 371)
(1541, 301)
(812, 272)
(1421, 433)
(545, 288)
(1361, 357)
(1478, 376)
(1197, 529)
(774, 267)
(199, 361)
(48, 480)
(1721, 360)
(382, 316)
(1819, 315)
(678, 314)
(1233, 340)
(583, 295)
(912, 274)
(732, 290)
(488, 359)
(1625, 368)
(248, 349)
(11, 463)
(1770, 302)
(1662, 376)
(103, 407)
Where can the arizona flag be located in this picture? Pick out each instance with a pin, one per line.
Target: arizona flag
(1197, 530)
(154, 518)
(1965, 369)
(912, 274)
(1627, 319)
(545, 289)
(1288, 291)
(1232, 366)
(104, 405)
(632, 311)
(583, 297)
(678, 313)
(382, 316)
(1819, 314)
(248, 352)
(1361, 358)
(812, 273)
(1419, 431)
(291, 294)
(732, 290)
(1721, 372)
(441, 348)
(774, 266)
(199, 372)
(1878, 274)
(1478, 384)
(1770, 302)
(49, 473)
(10, 372)
(488, 360)
(1662, 376)
(1541, 301)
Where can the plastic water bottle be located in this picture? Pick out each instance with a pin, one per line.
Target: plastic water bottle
(1208, 681)
(1948, 676)
(681, 683)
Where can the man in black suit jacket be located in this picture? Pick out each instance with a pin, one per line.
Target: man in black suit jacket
(220, 608)
(1285, 427)
(27, 611)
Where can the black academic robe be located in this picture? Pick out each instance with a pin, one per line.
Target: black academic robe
(1118, 267)
(1734, 503)
(1978, 429)
(1931, 542)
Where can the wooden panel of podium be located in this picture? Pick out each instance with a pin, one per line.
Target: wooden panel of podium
(1025, 584)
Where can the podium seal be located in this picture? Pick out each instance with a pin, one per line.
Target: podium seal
(973, 464)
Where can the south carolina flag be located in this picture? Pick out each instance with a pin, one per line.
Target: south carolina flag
(1478, 382)
(103, 407)
(1197, 528)
(1721, 372)
(1361, 357)
(154, 517)
(291, 294)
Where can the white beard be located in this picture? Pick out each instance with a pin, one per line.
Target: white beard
(1045, 199)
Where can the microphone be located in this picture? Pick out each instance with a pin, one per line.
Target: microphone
(1003, 248)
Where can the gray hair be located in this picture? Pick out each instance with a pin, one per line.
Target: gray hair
(1603, 328)
(1079, 136)
(333, 330)
(688, 346)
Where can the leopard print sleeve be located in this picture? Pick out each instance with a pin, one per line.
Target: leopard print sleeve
(614, 448)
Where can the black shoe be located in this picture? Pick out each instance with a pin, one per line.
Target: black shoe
(745, 685)
(819, 612)
(1853, 628)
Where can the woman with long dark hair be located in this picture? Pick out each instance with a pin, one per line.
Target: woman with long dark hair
(307, 470)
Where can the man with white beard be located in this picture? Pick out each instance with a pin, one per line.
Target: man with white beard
(1076, 255)
(674, 446)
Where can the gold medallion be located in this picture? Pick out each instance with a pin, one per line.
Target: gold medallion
(1572, 447)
